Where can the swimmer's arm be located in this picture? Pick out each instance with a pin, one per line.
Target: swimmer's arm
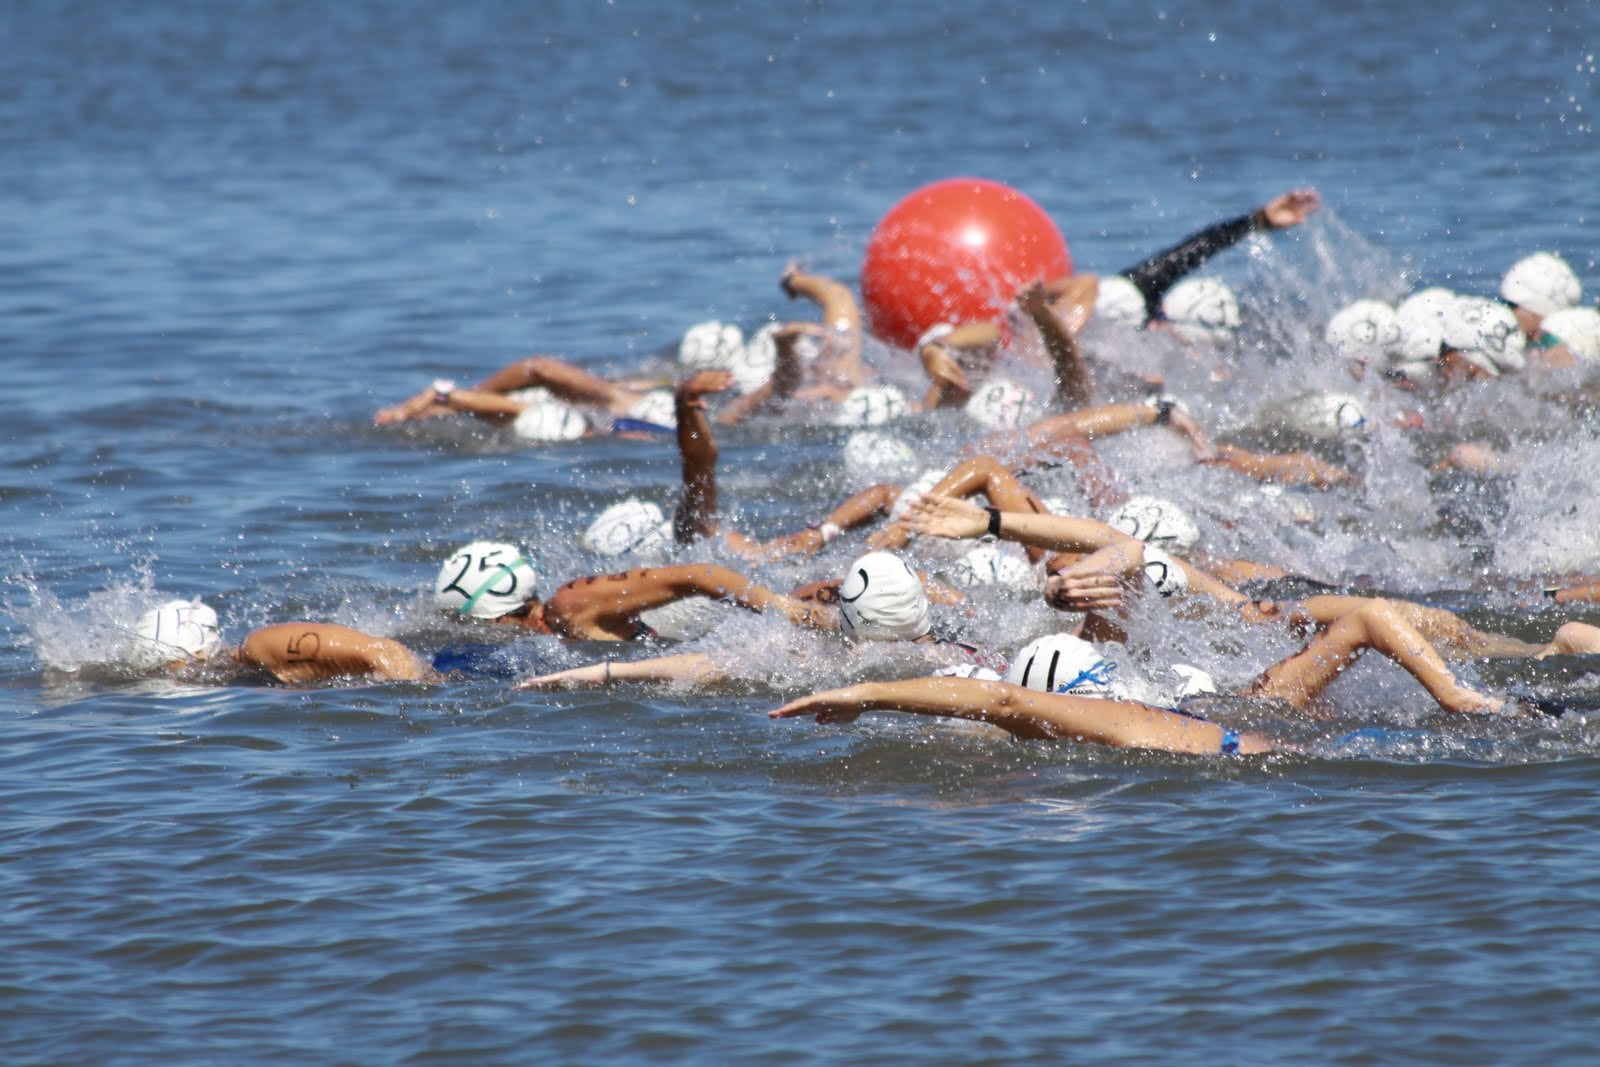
(1024, 713)
(1291, 468)
(871, 503)
(696, 514)
(309, 651)
(689, 667)
(1073, 387)
(483, 405)
(1586, 593)
(564, 380)
(943, 516)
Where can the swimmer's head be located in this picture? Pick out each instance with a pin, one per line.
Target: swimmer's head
(924, 482)
(1158, 522)
(872, 452)
(1120, 301)
(1203, 311)
(752, 366)
(549, 420)
(1485, 333)
(870, 405)
(711, 346)
(1193, 681)
(997, 564)
(485, 580)
(656, 407)
(882, 599)
(1364, 332)
(1000, 404)
(1062, 663)
(1326, 416)
(1578, 329)
(176, 630)
(1543, 283)
(1165, 574)
(1421, 318)
(629, 526)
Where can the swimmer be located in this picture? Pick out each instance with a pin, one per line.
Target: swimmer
(495, 582)
(1341, 627)
(539, 417)
(564, 381)
(181, 634)
(880, 598)
(696, 516)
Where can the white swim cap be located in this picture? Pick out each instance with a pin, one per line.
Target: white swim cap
(1202, 311)
(550, 420)
(1062, 663)
(1421, 318)
(997, 564)
(711, 346)
(1325, 416)
(630, 525)
(1542, 283)
(1158, 522)
(1486, 334)
(1120, 301)
(870, 405)
(486, 579)
(1195, 682)
(1000, 404)
(1366, 331)
(882, 599)
(176, 630)
(925, 481)
(1578, 329)
(878, 453)
(1164, 573)
(656, 407)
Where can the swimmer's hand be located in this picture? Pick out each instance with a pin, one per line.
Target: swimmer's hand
(701, 382)
(943, 370)
(834, 706)
(593, 676)
(1291, 208)
(937, 515)
(1093, 591)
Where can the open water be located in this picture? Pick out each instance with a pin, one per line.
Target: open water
(234, 231)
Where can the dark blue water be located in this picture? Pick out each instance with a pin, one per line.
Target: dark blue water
(232, 232)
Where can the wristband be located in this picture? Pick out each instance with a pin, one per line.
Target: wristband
(830, 532)
(994, 522)
(442, 388)
(1163, 412)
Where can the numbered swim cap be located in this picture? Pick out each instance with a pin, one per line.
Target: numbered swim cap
(882, 599)
(1164, 573)
(1486, 334)
(1542, 283)
(176, 630)
(1157, 522)
(486, 579)
(1062, 663)
(711, 346)
(1366, 331)
(1578, 329)
(630, 525)
(1000, 404)
(1202, 311)
(997, 564)
(870, 405)
(1120, 301)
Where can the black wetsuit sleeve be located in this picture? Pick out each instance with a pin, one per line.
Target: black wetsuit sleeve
(1157, 274)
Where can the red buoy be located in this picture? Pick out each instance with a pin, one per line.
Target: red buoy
(956, 251)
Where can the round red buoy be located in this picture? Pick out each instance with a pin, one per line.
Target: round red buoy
(955, 251)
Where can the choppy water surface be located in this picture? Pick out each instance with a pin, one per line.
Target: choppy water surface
(233, 234)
